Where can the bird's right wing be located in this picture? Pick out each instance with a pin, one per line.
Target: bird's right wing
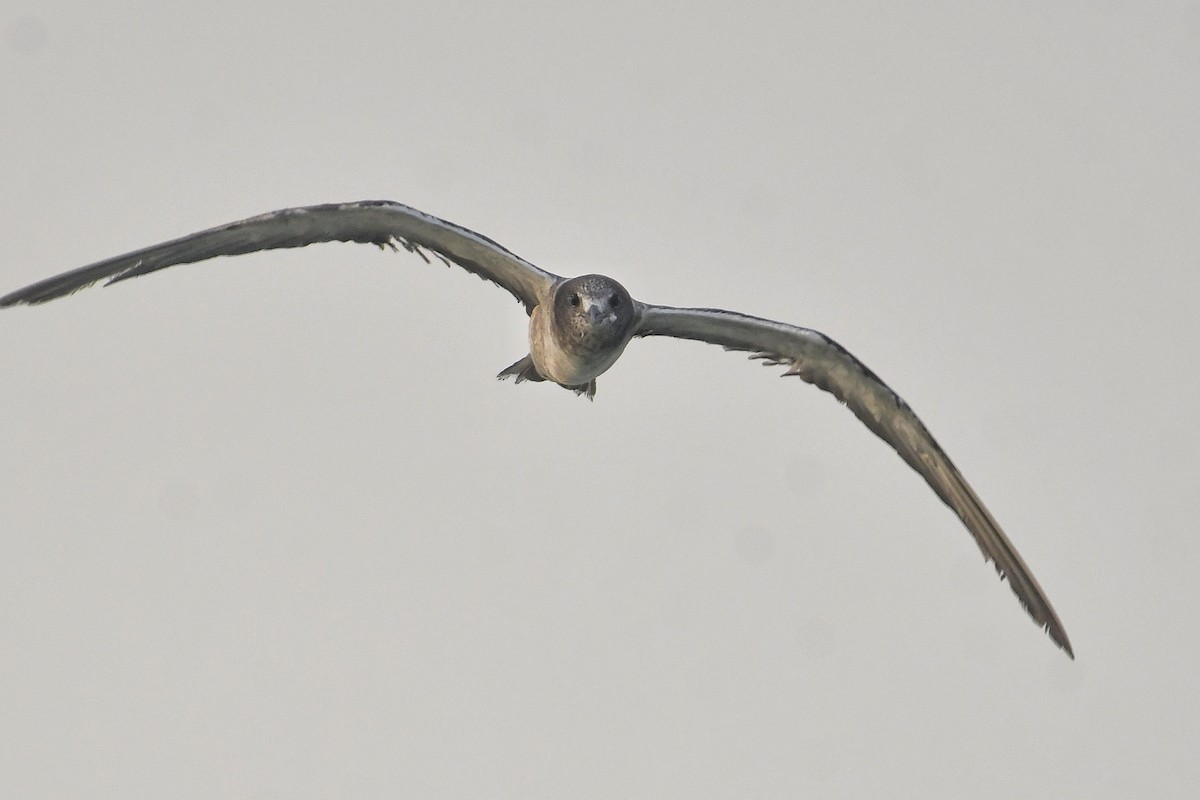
(378, 222)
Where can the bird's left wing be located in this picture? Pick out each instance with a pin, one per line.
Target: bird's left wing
(379, 222)
(823, 362)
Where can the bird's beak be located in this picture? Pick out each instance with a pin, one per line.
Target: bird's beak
(595, 314)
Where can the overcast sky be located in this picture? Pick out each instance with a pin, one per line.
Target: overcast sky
(271, 528)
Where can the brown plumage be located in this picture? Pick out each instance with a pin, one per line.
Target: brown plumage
(579, 328)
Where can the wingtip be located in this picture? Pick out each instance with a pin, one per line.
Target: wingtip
(41, 292)
(1059, 637)
(21, 297)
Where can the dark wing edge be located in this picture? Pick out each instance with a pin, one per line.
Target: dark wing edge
(379, 222)
(821, 361)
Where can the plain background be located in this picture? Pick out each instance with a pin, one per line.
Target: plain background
(270, 528)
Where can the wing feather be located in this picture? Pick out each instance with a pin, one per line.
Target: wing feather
(378, 222)
(821, 361)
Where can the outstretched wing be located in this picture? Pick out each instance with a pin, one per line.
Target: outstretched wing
(379, 222)
(821, 361)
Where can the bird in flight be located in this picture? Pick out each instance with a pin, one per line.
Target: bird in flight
(578, 328)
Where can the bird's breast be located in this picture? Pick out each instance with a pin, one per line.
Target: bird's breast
(564, 357)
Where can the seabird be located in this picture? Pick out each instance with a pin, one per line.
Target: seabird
(578, 328)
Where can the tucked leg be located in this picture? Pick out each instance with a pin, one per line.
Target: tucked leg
(588, 388)
(523, 370)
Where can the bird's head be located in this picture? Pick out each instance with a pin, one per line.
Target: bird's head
(594, 310)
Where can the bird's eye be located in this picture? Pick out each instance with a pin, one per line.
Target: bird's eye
(574, 300)
(614, 301)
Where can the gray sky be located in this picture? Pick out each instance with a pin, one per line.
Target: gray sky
(271, 529)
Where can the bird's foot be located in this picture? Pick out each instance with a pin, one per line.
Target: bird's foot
(523, 370)
(588, 388)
